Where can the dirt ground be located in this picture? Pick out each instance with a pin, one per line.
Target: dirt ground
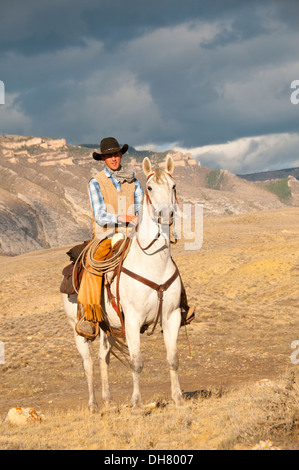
(244, 282)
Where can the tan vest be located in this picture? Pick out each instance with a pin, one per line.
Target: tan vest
(117, 203)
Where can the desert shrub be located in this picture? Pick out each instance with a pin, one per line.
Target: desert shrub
(281, 189)
(214, 179)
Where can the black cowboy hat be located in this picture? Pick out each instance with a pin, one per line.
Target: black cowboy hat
(109, 145)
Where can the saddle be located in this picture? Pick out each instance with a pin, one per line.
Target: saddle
(72, 276)
(67, 285)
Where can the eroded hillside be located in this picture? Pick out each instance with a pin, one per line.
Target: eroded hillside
(44, 201)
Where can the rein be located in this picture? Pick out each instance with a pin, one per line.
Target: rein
(149, 201)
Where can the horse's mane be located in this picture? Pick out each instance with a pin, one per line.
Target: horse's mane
(160, 176)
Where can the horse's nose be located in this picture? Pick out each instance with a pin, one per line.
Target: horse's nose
(165, 216)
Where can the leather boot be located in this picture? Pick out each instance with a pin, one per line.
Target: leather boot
(187, 312)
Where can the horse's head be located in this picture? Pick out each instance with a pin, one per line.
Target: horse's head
(160, 191)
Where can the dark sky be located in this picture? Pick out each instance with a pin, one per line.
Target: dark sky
(210, 77)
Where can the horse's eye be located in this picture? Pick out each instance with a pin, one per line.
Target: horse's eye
(149, 188)
(174, 187)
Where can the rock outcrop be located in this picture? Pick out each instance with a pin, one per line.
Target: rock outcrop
(183, 159)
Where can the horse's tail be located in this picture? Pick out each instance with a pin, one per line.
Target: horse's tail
(123, 349)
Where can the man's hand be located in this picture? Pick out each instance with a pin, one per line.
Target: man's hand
(127, 219)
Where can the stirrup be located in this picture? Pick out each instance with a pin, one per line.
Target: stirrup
(190, 315)
(84, 334)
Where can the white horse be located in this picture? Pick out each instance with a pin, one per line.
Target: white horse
(149, 257)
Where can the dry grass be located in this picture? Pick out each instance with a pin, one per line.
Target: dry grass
(244, 281)
(238, 419)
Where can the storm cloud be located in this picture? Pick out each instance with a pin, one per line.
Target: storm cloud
(195, 75)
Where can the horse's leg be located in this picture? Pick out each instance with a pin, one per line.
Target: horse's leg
(171, 326)
(70, 307)
(84, 350)
(106, 345)
(136, 362)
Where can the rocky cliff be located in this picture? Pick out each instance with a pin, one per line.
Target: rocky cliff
(43, 191)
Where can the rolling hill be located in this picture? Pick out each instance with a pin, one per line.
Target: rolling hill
(272, 175)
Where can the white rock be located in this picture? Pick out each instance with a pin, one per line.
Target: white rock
(22, 416)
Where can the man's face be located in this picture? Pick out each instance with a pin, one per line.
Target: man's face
(113, 160)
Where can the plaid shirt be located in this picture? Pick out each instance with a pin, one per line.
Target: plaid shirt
(102, 217)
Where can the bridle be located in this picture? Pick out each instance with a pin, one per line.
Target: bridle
(153, 209)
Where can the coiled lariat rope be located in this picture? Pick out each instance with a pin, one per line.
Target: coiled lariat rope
(100, 267)
(104, 266)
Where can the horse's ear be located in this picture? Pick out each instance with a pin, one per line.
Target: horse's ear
(146, 166)
(169, 165)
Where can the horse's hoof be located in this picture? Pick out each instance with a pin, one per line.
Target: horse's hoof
(137, 410)
(93, 409)
(137, 407)
(110, 405)
(179, 401)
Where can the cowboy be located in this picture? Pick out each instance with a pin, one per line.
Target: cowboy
(103, 194)
(116, 197)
